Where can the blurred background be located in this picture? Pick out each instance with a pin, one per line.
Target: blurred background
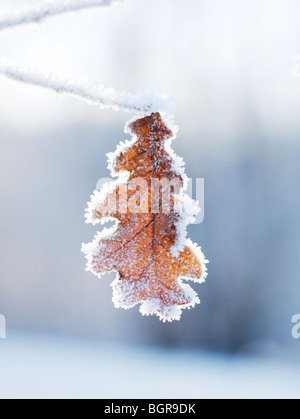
(228, 66)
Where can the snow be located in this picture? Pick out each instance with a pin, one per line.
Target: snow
(47, 9)
(37, 366)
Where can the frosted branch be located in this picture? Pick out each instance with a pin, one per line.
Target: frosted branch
(142, 102)
(47, 9)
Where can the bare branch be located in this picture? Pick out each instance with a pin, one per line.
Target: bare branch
(50, 8)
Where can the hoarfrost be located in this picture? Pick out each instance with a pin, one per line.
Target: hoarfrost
(142, 286)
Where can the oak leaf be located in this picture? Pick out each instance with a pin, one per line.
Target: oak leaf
(147, 247)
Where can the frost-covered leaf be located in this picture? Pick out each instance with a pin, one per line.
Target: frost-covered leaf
(147, 247)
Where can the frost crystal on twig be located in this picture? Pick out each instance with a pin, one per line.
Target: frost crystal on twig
(142, 102)
(48, 9)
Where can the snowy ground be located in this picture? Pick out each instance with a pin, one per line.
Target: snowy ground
(48, 367)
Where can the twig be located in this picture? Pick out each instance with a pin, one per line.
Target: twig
(47, 9)
(142, 102)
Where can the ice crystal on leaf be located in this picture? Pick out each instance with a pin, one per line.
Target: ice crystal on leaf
(147, 247)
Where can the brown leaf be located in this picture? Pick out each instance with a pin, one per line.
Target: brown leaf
(145, 247)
